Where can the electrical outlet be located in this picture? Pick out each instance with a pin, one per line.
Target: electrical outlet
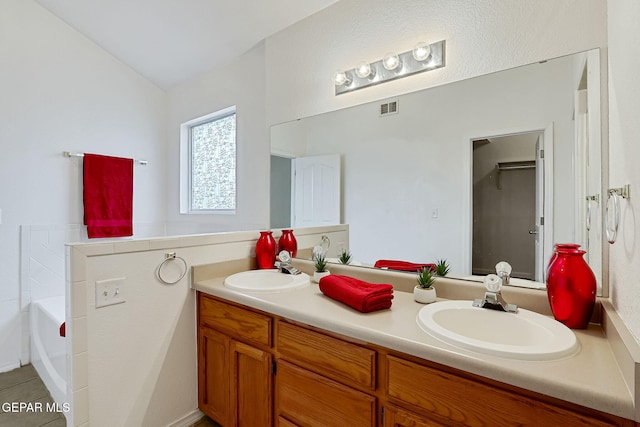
(434, 213)
(109, 292)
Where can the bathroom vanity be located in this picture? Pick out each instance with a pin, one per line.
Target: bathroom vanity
(298, 358)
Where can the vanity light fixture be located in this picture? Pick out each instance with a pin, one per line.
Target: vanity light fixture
(391, 62)
(423, 57)
(365, 71)
(342, 78)
(421, 52)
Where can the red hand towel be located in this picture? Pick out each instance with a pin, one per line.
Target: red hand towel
(401, 265)
(108, 196)
(362, 296)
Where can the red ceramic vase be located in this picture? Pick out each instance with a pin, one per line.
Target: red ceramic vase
(571, 288)
(288, 243)
(266, 250)
(555, 252)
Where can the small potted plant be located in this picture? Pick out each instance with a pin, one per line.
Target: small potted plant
(321, 268)
(442, 267)
(424, 292)
(344, 257)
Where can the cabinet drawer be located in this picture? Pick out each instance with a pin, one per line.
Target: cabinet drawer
(332, 357)
(244, 325)
(398, 417)
(283, 422)
(308, 399)
(467, 402)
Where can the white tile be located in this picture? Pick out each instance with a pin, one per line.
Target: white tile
(79, 336)
(80, 369)
(81, 406)
(76, 265)
(130, 246)
(78, 301)
(156, 244)
(95, 248)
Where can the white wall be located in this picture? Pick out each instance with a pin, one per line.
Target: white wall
(624, 143)
(398, 168)
(61, 92)
(240, 83)
(481, 36)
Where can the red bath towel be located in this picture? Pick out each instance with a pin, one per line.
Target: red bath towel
(401, 265)
(108, 196)
(362, 296)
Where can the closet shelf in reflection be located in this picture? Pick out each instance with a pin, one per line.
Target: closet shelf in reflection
(511, 166)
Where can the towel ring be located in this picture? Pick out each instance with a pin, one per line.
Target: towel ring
(171, 256)
(612, 233)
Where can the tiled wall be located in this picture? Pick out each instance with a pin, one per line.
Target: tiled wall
(42, 264)
(42, 268)
(135, 363)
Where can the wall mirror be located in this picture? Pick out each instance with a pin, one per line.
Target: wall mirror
(498, 167)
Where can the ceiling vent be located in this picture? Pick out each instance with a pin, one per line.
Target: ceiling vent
(389, 108)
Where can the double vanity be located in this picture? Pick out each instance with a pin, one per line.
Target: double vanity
(273, 350)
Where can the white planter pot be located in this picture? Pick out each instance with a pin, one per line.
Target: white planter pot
(424, 295)
(317, 276)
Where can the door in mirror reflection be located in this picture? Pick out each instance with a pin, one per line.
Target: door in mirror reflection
(316, 191)
(306, 191)
(508, 202)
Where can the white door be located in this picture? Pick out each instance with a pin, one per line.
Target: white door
(316, 191)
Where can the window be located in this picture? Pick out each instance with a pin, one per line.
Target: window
(209, 145)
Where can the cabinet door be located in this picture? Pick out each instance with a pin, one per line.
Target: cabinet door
(213, 374)
(251, 386)
(398, 417)
(311, 400)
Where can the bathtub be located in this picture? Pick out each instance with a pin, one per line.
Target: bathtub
(48, 348)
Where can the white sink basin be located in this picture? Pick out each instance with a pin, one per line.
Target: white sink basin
(523, 335)
(266, 281)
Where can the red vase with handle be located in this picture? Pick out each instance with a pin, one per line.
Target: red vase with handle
(266, 250)
(571, 288)
(288, 243)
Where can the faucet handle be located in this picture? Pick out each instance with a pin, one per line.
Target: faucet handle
(503, 268)
(492, 282)
(284, 257)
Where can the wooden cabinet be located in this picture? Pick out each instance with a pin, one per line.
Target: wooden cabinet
(469, 402)
(214, 374)
(251, 390)
(235, 378)
(322, 379)
(308, 399)
(331, 357)
(398, 417)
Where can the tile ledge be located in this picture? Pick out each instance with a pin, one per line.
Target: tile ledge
(626, 350)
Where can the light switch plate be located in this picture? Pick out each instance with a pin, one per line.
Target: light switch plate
(109, 292)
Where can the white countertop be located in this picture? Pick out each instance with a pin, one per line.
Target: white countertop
(589, 378)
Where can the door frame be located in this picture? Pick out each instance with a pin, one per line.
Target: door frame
(547, 234)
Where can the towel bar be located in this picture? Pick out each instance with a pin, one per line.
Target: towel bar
(70, 154)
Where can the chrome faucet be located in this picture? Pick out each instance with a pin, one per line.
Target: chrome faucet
(493, 297)
(284, 265)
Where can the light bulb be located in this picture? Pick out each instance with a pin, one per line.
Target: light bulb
(342, 78)
(391, 62)
(421, 52)
(364, 70)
